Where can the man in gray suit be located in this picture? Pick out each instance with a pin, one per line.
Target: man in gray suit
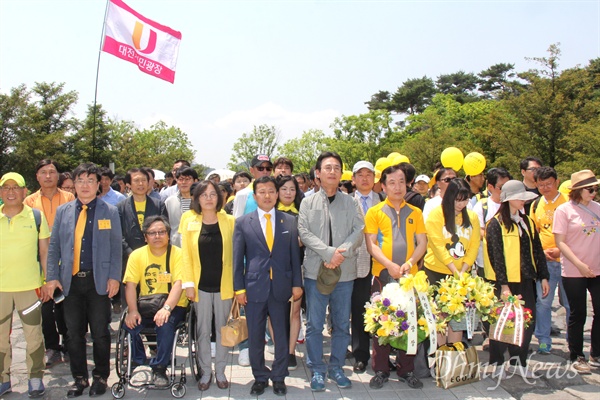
(84, 260)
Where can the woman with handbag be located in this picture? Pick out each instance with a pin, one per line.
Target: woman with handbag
(157, 269)
(453, 236)
(577, 233)
(514, 260)
(207, 244)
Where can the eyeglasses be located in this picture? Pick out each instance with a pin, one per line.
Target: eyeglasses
(9, 188)
(69, 188)
(156, 233)
(207, 196)
(546, 185)
(447, 180)
(89, 182)
(261, 169)
(532, 169)
(332, 168)
(589, 189)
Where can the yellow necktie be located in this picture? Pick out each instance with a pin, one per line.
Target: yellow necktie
(269, 232)
(79, 230)
(269, 238)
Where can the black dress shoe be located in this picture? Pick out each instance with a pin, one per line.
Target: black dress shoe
(279, 388)
(98, 387)
(360, 367)
(77, 389)
(258, 388)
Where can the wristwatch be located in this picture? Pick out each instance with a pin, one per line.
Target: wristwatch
(167, 307)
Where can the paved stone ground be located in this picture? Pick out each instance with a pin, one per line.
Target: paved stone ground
(556, 381)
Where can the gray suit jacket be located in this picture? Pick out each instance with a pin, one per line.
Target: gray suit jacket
(106, 245)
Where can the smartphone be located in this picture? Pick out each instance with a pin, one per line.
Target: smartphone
(58, 295)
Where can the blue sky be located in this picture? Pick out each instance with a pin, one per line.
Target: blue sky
(293, 64)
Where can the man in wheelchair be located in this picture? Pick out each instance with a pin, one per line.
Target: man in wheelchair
(157, 269)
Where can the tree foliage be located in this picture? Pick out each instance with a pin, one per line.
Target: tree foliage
(304, 150)
(263, 139)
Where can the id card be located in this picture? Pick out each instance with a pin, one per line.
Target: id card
(164, 278)
(103, 224)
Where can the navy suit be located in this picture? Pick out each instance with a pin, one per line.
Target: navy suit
(252, 265)
(86, 296)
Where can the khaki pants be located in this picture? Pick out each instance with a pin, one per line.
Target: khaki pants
(32, 331)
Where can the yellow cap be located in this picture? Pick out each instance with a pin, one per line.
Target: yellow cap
(13, 176)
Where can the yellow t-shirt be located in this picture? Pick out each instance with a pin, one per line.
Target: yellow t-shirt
(140, 209)
(149, 272)
(19, 268)
(543, 217)
(444, 248)
(395, 232)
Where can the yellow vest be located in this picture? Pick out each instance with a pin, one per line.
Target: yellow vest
(512, 252)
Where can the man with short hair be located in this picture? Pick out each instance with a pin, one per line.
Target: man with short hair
(267, 272)
(396, 238)
(476, 183)
(363, 177)
(542, 214)
(171, 190)
(411, 197)
(122, 186)
(528, 167)
(316, 183)
(487, 207)
(84, 259)
(330, 225)
(177, 204)
(151, 183)
(107, 193)
(22, 235)
(283, 166)
(303, 181)
(47, 200)
(244, 202)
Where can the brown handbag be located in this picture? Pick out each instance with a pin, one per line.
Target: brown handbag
(235, 330)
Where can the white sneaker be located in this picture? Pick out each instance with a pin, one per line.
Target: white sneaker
(499, 373)
(244, 358)
(213, 349)
(521, 371)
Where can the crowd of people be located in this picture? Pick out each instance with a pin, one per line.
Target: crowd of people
(88, 243)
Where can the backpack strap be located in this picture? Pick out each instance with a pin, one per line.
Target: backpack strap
(37, 215)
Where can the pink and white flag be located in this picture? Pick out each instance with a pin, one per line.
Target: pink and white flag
(139, 40)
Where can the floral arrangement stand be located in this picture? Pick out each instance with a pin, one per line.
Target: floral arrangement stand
(402, 315)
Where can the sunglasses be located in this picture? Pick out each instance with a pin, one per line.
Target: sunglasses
(592, 189)
(261, 169)
(447, 180)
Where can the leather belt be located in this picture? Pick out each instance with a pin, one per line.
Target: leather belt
(84, 274)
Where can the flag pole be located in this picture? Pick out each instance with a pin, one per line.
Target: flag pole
(96, 88)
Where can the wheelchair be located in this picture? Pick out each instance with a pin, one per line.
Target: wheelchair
(184, 337)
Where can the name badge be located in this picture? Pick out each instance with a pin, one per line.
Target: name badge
(164, 278)
(194, 226)
(103, 224)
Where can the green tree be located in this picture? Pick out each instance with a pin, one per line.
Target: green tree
(305, 150)
(461, 85)
(263, 139)
(13, 111)
(89, 144)
(381, 100)
(498, 81)
(413, 96)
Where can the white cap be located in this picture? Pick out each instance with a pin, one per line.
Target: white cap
(363, 164)
(423, 178)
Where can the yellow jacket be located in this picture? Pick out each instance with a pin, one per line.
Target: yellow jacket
(189, 228)
(443, 248)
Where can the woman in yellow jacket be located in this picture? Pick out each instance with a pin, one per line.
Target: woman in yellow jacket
(514, 260)
(207, 244)
(452, 241)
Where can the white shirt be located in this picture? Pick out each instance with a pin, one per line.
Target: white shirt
(263, 221)
(430, 205)
(492, 208)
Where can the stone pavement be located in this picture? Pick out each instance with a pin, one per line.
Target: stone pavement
(555, 380)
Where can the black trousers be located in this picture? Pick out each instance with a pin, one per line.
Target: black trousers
(361, 293)
(84, 305)
(53, 325)
(518, 354)
(576, 290)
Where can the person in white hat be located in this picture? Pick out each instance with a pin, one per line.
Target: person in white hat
(514, 261)
(577, 233)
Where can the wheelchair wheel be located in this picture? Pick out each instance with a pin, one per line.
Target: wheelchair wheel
(122, 349)
(178, 390)
(193, 345)
(118, 390)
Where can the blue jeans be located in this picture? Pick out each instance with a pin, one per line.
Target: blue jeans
(165, 335)
(339, 302)
(543, 321)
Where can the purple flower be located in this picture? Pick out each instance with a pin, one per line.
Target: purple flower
(400, 314)
(404, 325)
(386, 302)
